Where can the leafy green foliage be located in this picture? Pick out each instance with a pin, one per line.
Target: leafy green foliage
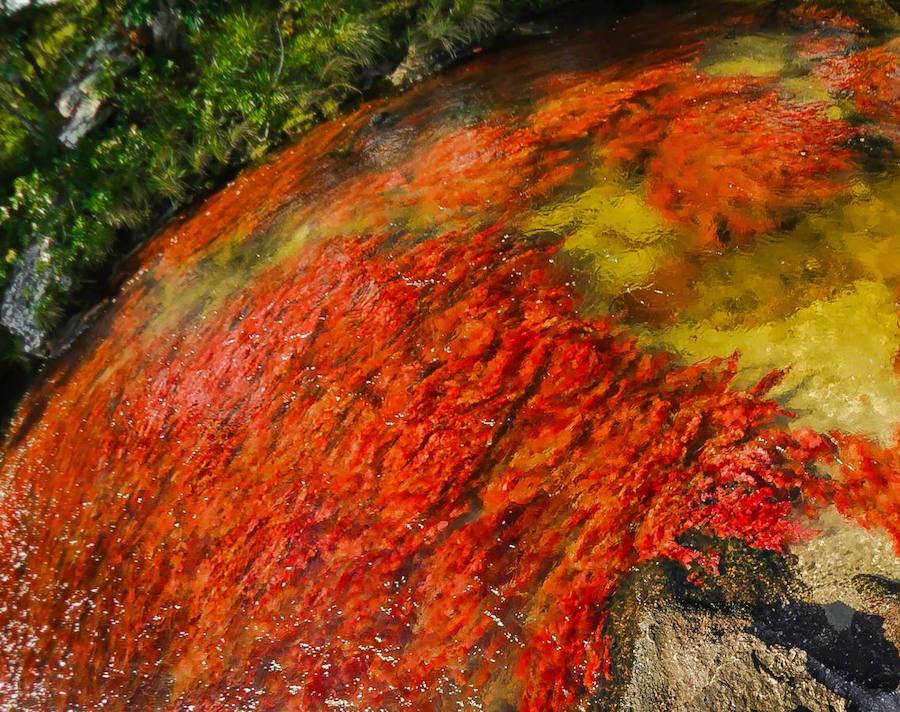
(232, 80)
(450, 24)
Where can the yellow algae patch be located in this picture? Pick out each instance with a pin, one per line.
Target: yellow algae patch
(611, 227)
(204, 286)
(867, 227)
(821, 298)
(807, 89)
(769, 280)
(755, 55)
(840, 353)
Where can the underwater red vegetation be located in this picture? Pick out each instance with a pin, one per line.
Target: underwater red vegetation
(844, 58)
(866, 488)
(728, 156)
(826, 19)
(244, 204)
(453, 174)
(870, 77)
(731, 174)
(394, 471)
(824, 33)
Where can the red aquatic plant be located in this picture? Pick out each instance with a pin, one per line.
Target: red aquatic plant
(866, 483)
(844, 58)
(733, 165)
(472, 166)
(394, 471)
(809, 16)
(577, 106)
(451, 176)
(726, 155)
(871, 78)
(244, 204)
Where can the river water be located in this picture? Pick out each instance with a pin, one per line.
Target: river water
(390, 421)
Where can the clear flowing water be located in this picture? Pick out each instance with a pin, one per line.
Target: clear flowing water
(388, 421)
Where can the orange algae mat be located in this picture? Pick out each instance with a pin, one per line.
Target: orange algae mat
(398, 469)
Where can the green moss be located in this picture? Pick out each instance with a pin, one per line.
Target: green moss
(449, 25)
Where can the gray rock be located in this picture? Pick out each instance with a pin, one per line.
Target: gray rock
(846, 650)
(11, 6)
(817, 629)
(167, 29)
(533, 28)
(845, 563)
(83, 109)
(31, 279)
(81, 103)
(418, 65)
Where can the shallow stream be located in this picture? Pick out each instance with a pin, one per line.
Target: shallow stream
(389, 421)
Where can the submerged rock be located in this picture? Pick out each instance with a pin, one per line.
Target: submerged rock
(689, 659)
(796, 632)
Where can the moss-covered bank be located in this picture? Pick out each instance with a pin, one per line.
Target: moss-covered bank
(118, 113)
